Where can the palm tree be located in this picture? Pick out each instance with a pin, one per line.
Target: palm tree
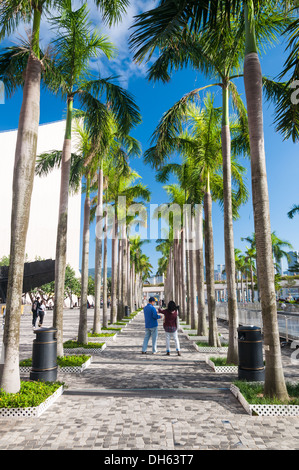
(12, 12)
(111, 146)
(278, 251)
(175, 18)
(75, 46)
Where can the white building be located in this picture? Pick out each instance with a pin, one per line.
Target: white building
(42, 230)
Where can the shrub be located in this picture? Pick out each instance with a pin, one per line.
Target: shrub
(31, 394)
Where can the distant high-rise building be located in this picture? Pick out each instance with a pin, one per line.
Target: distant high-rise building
(294, 260)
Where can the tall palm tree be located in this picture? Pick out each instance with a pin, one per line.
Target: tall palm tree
(278, 246)
(201, 53)
(75, 46)
(175, 17)
(112, 146)
(12, 12)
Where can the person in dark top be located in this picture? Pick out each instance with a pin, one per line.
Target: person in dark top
(171, 325)
(34, 309)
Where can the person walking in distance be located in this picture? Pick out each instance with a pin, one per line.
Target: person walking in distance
(171, 326)
(151, 325)
(41, 312)
(34, 309)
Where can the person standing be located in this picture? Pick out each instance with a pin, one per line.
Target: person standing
(171, 326)
(41, 312)
(151, 325)
(34, 309)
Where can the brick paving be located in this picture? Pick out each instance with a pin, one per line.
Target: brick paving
(128, 401)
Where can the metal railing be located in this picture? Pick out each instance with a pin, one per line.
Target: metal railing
(288, 322)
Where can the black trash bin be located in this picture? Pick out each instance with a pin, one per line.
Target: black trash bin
(251, 363)
(127, 311)
(44, 356)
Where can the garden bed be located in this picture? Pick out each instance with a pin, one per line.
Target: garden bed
(72, 364)
(31, 401)
(250, 395)
(101, 336)
(204, 347)
(220, 366)
(73, 347)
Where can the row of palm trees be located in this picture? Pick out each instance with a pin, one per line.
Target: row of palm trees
(214, 37)
(65, 70)
(246, 263)
(217, 38)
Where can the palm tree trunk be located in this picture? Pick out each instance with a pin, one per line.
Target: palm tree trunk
(98, 256)
(193, 289)
(105, 298)
(129, 296)
(113, 311)
(252, 284)
(183, 278)
(119, 282)
(61, 243)
(82, 331)
(23, 177)
(202, 328)
(124, 278)
(242, 291)
(209, 258)
(188, 288)
(274, 378)
(232, 354)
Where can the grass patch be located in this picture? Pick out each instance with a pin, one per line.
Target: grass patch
(62, 361)
(72, 344)
(221, 361)
(31, 394)
(204, 344)
(111, 329)
(99, 335)
(254, 394)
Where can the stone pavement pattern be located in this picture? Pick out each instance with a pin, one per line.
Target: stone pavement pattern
(129, 401)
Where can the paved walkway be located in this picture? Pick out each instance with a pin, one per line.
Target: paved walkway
(129, 401)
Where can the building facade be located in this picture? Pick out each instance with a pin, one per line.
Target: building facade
(42, 230)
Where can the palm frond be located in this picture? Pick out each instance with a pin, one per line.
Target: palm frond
(294, 210)
(285, 97)
(121, 102)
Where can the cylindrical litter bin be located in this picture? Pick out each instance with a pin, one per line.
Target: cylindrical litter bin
(44, 356)
(127, 311)
(251, 363)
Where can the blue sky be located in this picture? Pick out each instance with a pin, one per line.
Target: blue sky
(282, 157)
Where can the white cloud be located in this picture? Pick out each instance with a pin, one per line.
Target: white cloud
(122, 65)
(119, 34)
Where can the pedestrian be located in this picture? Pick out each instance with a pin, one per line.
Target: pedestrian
(34, 309)
(41, 312)
(151, 325)
(171, 326)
